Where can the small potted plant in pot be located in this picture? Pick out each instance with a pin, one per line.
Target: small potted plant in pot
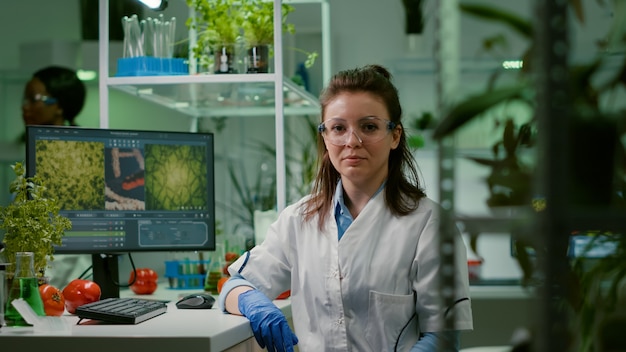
(218, 24)
(258, 31)
(31, 221)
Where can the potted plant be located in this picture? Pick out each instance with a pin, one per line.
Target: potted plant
(595, 168)
(228, 24)
(258, 31)
(31, 221)
(218, 24)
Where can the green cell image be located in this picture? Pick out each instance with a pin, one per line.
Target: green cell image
(177, 178)
(73, 172)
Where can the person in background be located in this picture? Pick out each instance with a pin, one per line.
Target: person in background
(55, 96)
(360, 253)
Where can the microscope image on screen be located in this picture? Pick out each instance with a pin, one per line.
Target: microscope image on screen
(124, 173)
(177, 177)
(73, 172)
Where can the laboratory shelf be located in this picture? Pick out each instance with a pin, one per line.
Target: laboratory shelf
(219, 94)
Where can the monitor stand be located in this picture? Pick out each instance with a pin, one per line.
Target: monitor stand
(106, 274)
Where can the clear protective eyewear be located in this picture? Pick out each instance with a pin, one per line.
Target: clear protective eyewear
(369, 130)
(38, 97)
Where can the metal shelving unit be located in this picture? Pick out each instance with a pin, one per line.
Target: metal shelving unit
(230, 94)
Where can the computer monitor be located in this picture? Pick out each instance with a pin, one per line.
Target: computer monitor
(126, 191)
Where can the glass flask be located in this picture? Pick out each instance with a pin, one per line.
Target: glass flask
(3, 286)
(24, 285)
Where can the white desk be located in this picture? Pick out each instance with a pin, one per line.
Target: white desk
(178, 330)
(497, 312)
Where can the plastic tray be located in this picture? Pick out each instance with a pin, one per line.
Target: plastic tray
(151, 66)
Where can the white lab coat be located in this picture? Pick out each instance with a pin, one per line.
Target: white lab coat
(359, 293)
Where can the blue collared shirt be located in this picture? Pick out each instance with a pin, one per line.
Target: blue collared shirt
(342, 214)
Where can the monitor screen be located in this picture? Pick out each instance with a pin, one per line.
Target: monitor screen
(127, 191)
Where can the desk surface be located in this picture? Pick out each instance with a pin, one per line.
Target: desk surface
(190, 329)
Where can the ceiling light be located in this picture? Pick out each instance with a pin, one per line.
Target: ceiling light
(86, 75)
(513, 64)
(157, 5)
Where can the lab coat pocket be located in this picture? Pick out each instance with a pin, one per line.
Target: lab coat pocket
(389, 317)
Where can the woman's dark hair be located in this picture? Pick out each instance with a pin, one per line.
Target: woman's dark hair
(402, 190)
(63, 85)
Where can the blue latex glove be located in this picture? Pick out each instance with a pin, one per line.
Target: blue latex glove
(268, 323)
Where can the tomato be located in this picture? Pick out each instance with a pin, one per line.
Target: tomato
(146, 282)
(231, 256)
(284, 295)
(220, 283)
(225, 270)
(53, 300)
(79, 292)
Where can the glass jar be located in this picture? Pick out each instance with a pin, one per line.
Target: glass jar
(25, 285)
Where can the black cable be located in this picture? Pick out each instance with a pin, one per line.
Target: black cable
(132, 264)
(454, 304)
(115, 282)
(395, 348)
(82, 276)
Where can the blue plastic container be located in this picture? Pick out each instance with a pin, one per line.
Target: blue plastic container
(151, 66)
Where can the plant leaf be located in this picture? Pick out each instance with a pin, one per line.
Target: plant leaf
(511, 19)
(475, 105)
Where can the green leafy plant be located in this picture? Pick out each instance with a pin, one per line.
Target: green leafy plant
(418, 127)
(258, 24)
(31, 221)
(592, 176)
(220, 22)
(217, 22)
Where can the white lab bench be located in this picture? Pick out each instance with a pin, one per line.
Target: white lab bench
(178, 330)
(498, 310)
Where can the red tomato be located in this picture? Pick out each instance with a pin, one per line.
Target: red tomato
(221, 283)
(284, 295)
(146, 282)
(79, 292)
(53, 301)
(231, 256)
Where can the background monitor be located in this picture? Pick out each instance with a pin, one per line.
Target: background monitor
(126, 191)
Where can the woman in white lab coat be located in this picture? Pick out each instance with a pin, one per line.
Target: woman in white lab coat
(360, 253)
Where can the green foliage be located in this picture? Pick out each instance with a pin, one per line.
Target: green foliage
(592, 287)
(598, 287)
(217, 22)
(510, 180)
(32, 221)
(220, 22)
(258, 26)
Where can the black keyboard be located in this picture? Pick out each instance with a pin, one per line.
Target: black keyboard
(122, 310)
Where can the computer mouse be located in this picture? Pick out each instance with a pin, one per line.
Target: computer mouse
(196, 301)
